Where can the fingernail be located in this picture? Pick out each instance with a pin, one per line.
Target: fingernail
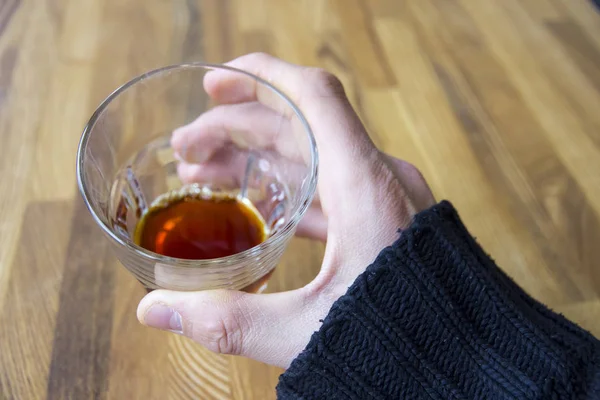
(161, 316)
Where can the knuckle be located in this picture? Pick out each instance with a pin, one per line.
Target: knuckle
(325, 83)
(413, 172)
(220, 335)
(415, 185)
(407, 169)
(260, 56)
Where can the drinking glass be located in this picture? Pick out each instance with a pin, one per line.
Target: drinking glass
(126, 161)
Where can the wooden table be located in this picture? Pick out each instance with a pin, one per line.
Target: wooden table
(496, 101)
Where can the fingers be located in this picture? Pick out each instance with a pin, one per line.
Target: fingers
(344, 146)
(201, 144)
(301, 84)
(270, 328)
(413, 181)
(226, 167)
(247, 125)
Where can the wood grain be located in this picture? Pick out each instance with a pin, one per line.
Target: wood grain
(82, 333)
(496, 102)
(27, 322)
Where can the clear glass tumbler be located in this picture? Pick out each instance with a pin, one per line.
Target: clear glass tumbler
(259, 149)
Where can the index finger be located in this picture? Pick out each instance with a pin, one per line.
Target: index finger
(345, 148)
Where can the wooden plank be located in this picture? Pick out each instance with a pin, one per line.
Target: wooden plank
(82, 336)
(363, 44)
(579, 153)
(543, 10)
(293, 41)
(579, 48)
(388, 9)
(512, 148)
(585, 14)
(28, 318)
(562, 70)
(26, 70)
(216, 31)
(63, 120)
(139, 366)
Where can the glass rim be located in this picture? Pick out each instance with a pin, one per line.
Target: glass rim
(306, 197)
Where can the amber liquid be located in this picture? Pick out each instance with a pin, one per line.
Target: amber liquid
(196, 228)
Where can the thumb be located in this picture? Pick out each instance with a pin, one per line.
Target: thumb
(264, 327)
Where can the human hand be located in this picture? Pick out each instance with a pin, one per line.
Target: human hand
(364, 197)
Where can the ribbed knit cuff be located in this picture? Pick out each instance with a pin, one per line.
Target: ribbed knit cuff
(433, 317)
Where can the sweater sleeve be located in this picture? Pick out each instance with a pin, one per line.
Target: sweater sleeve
(434, 318)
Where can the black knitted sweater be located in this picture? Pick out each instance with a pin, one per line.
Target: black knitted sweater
(434, 318)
